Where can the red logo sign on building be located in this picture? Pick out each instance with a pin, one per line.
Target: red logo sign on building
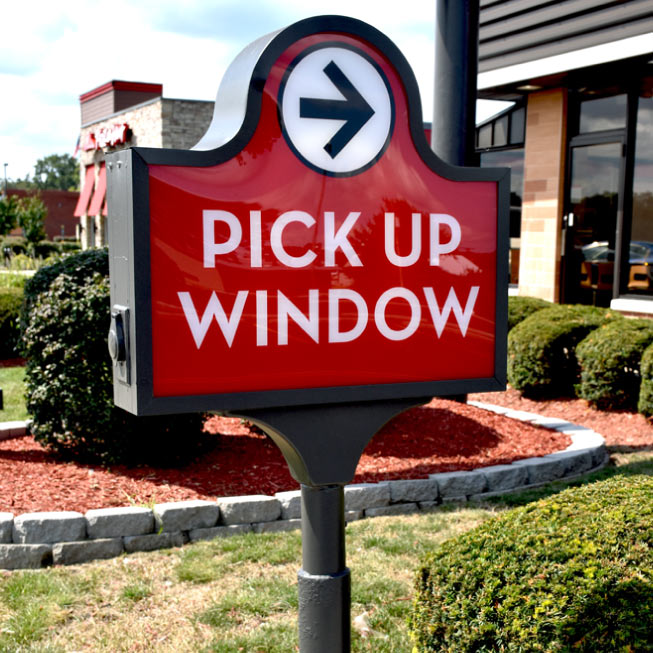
(314, 249)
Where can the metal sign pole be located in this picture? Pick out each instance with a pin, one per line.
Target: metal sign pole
(324, 581)
(322, 446)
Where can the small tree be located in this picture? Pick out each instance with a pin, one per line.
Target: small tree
(8, 213)
(31, 218)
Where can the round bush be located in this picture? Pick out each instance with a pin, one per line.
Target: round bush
(573, 572)
(541, 349)
(69, 378)
(609, 360)
(519, 308)
(11, 299)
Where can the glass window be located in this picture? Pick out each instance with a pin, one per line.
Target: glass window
(485, 136)
(603, 113)
(517, 125)
(640, 265)
(500, 132)
(513, 159)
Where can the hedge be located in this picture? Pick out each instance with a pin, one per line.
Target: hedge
(609, 359)
(573, 572)
(645, 403)
(69, 375)
(541, 349)
(11, 299)
(519, 308)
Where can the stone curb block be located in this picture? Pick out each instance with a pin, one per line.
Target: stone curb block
(249, 509)
(25, 556)
(354, 515)
(198, 534)
(35, 540)
(410, 491)
(541, 470)
(575, 462)
(119, 522)
(11, 430)
(185, 515)
(279, 526)
(72, 553)
(360, 496)
(291, 504)
(153, 541)
(505, 477)
(49, 527)
(6, 527)
(456, 484)
(394, 510)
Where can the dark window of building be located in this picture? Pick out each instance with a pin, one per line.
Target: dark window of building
(517, 126)
(500, 135)
(484, 136)
(640, 265)
(603, 114)
(500, 143)
(513, 159)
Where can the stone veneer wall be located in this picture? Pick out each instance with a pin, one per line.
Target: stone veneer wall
(543, 201)
(184, 122)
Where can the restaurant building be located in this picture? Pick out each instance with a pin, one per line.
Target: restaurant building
(122, 114)
(579, 141)
(578, 138)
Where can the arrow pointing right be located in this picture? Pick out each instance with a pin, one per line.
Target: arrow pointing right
(354, 110)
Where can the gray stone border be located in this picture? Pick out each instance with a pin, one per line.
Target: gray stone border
(35, 540)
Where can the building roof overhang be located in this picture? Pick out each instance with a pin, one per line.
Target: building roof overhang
(569, 69)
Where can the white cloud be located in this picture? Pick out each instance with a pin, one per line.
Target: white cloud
(53, 52)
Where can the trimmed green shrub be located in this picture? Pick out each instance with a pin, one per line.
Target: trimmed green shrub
(519, 308)
(46, 248)
(69, 377)
(645, 403)
(79, 267)
(11, 299)
(541, 349)
(573, 572)
(609, 360)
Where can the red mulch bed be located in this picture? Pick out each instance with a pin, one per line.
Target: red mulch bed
(441, 436)
(622, 431)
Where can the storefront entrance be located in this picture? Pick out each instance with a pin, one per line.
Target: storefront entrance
(590, 221)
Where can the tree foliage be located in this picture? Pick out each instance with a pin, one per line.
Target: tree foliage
(31, 218)
(61, 172)
(8, 213)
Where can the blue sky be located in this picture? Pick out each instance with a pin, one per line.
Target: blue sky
(51, 52)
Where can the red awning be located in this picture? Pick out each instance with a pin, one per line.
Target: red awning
(87, 189)
(100, 190)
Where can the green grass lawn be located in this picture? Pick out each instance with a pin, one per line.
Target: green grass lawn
(12, 382)
(238, 593)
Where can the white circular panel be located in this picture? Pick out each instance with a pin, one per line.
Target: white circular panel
(336, 111)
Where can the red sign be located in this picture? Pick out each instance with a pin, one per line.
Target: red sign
(330, 248)
(110, 136)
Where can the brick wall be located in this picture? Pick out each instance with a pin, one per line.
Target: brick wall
(544, 175)
(60, 220)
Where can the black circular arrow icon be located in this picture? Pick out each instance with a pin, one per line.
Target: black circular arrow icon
(353, 109)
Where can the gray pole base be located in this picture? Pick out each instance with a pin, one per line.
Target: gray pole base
(324, 604)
